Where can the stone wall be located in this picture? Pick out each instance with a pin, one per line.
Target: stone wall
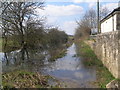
(107, 47)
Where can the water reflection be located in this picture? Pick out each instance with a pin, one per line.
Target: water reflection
(22, 59)
(69, 68)
(72, 68)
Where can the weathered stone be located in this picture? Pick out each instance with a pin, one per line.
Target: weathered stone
(107, 47)
(113, 85)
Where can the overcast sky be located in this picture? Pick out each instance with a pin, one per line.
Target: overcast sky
(64, 13)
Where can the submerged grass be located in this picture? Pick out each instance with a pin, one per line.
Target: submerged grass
(90, 59)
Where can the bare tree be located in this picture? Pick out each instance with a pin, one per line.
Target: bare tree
(90, 18)
(86, 24)
(15, 15)
(103, 12)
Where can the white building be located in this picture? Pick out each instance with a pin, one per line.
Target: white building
(111, 22)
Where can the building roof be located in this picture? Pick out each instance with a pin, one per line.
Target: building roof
(115, 10)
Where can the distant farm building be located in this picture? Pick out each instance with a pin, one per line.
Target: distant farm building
(111, 22)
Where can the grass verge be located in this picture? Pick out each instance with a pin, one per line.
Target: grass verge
(90, 59)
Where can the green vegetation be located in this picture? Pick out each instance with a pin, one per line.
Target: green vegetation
(50, 40)
(90, 59)
(58, 54)
(71, 37)
(60, 51)
(88, 54)
(56, 38)
(25, 79)
(10, 45)
(118, 80)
